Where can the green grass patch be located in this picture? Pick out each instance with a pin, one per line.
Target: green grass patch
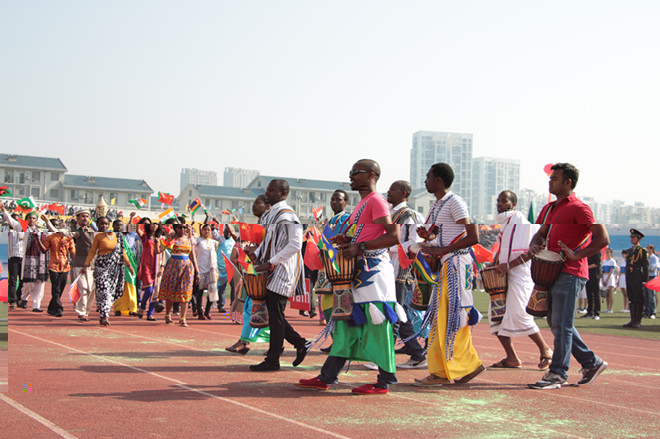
(609, 324)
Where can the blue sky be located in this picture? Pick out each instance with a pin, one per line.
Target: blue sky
(141, 89)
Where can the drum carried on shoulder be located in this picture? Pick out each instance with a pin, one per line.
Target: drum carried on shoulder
(496, 285)
(421, 295)
(255, 286)
(546, 267)
(342, 307)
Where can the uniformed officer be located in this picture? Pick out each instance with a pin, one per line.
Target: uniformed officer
(637, 272)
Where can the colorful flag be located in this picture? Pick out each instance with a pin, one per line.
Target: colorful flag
(24, 224)
(226, 212)
(530, 215)
(424, 270)
(257, 233)
(139, 203)
(4, 192)
(166, 215)
(404, 260)
(73, 291)
(329, 248)
(26, 203)
(165, 198)
(495, 248)
(136, 219)
(312, 256)
(317, 212)
(112, 201)
(194, 206)
(42, 210)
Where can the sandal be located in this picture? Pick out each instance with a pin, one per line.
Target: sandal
(545, 363)
(103, 321)
(240, 347)
(182, 322)
(502, 365)
(168, 319)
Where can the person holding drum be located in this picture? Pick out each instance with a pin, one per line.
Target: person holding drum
(568, 228)
(451, 357)
(512, 261)
(370, 336)
(280, 252)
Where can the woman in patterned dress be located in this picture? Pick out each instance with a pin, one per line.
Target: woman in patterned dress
(179, 274)
(108, 267)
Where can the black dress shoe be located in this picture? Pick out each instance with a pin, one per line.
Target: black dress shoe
(312, 314)
(401, 350)
(264, 367)
(300, 355)
(326, 350)
(36, 310)
(22, 304)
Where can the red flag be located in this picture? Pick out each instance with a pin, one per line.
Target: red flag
(56, 208)
(243, 258)
(4, 290)
(495, 248)
(404, 260)
(315, 234)
(482, 254)
(312, 256)
(653, 284)
(165, 198)
(229, 267)
(73, 291)
(244, 232)
(23, 224)
(257, 233)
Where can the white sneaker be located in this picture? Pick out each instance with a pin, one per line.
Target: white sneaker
(606, 311)
(625, 310)
(371, 366)
(581, 311)
(413, 364)
(653, 316)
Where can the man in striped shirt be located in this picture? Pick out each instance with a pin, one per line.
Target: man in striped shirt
(280, 252)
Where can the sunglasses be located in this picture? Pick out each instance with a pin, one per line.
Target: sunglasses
(354, 172)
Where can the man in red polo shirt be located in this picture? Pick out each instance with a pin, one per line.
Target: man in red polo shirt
(569, 227)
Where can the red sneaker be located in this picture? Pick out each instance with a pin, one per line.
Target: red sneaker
(369, 389)
(313, 383)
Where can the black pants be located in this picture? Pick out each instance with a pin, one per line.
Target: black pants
(198, 299)
(635, 287)
(405, 330)
(593, 297)
(280, 329)
(14, 268)
(58, 282)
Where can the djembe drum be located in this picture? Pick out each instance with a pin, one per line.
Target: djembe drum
(255, 286)
(421, 295)
(546, 266)
(495, 284)
(342, 303)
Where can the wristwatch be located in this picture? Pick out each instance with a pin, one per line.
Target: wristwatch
(362, 246)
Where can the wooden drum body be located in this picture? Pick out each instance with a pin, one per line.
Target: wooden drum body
(255, 286)
(496, 285)
(422, 292)
(546, 266)
(342, 308)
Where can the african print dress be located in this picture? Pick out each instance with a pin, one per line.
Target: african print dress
(109, 277)
(177, 283)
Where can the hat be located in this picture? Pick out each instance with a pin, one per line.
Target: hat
(637, 233)
(32, 212)
(82, 211)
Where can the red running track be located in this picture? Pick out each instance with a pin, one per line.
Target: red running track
(138, 379)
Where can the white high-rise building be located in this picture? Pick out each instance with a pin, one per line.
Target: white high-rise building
(197, 176)
(239, 177)
(455, 149)
(490, 177)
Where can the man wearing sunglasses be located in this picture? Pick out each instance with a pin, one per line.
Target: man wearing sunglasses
(369, 336)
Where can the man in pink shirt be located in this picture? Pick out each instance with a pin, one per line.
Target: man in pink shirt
(369, 337)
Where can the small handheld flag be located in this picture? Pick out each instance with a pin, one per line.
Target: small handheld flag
(139, 203)
(165, 198)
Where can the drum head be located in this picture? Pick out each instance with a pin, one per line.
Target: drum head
(549, 256)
